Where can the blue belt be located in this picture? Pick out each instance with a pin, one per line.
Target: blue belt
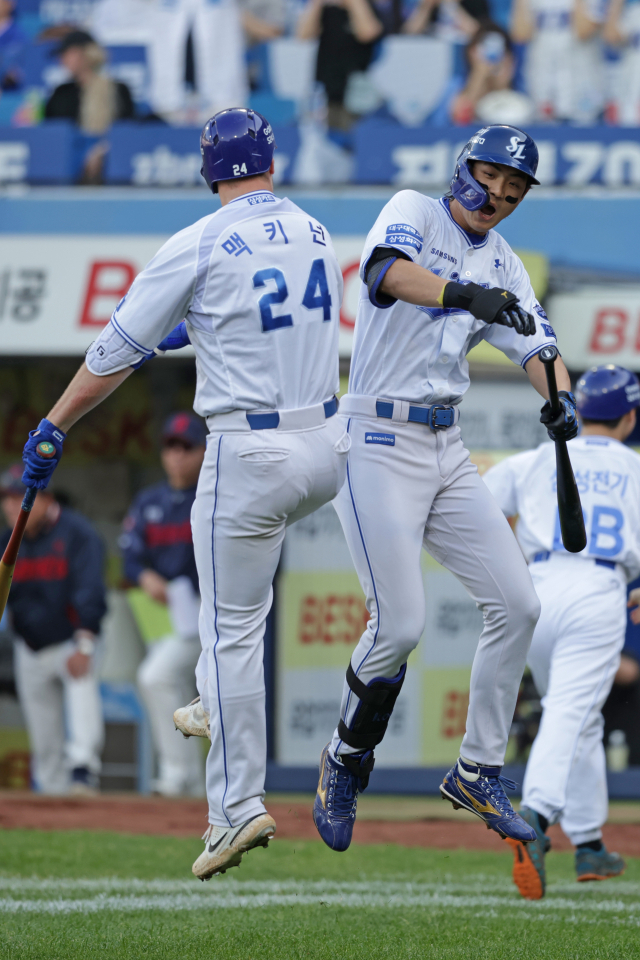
(269, 421)
(545, 554)
(437, 417)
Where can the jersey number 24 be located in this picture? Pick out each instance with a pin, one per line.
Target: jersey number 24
(316, 296)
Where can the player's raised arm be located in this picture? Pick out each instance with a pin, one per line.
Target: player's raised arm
(86, 391)
(414, 284)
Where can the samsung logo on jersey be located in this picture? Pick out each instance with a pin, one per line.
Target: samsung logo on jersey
(445, 256)
(386, 439)
(262, 198)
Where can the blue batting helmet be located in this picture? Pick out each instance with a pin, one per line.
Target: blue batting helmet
(235, 143)
(498, 143)
(606, 393)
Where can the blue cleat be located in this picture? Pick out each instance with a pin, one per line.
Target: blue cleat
(529, 873)
(598, 864)
(481, 791)
(334, 809)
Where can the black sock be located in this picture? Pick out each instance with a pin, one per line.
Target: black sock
(595, 845)
(544, 823)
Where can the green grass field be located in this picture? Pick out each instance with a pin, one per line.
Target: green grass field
(105, 895)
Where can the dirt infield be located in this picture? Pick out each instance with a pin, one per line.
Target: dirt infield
(188, 818)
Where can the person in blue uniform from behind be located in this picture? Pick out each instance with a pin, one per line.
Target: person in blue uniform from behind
(56, 605)
(159, 558)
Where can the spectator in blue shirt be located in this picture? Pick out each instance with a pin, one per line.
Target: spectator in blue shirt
(159, 558)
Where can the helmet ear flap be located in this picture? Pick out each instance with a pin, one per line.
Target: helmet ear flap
(465, 188)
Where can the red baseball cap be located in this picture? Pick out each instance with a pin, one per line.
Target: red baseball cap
(186, 427)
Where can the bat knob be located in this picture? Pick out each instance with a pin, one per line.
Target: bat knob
(549, 353)
(46, 450)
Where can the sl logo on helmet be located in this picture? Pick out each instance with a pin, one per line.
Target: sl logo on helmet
(516, 148)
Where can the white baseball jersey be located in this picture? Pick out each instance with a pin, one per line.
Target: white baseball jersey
(260, 287)
(419, 353)
(564, 74)
(624, 74)
(608, 478)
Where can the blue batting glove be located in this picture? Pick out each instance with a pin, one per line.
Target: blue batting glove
(177, 339)
(37, 469)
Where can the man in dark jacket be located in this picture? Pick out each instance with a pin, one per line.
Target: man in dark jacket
(159, 558)
(56, 604)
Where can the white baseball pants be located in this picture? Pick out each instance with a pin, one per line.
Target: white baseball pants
(165, 679)
(252, 485)
(218, 45)
(423, 491)
(63, 714)
(573, 658)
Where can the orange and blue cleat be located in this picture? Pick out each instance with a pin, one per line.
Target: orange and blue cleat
(529, 873)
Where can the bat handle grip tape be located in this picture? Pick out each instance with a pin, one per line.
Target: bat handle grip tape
(46, 451)
(29, 499)
(548, 355)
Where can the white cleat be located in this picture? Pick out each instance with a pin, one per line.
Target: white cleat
(224, 846)
(192, 720)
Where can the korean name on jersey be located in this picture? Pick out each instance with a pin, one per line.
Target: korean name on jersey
(608, 477)
(260, 287)
(418, 353)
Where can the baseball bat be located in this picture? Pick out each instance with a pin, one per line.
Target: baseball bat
(574, 535)
(47, 451)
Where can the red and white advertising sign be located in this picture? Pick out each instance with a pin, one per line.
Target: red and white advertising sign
(598, 325)
(57, 292)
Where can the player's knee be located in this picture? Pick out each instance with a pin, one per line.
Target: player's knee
(400, 628)
(405, 645)
(530, 608)
(523, 608)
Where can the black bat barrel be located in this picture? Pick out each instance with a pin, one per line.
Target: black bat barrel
(574, 535)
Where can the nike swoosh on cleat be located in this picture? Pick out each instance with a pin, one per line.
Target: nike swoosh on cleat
(217, 843)
(481, 808)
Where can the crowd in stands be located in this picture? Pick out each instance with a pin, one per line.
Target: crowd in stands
(437, 62)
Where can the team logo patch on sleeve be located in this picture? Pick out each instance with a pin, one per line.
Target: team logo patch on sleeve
(386, 439)
(403, 235)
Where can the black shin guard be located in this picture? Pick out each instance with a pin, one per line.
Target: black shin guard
(371, 719)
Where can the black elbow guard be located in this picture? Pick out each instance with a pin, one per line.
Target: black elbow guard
(375, 275)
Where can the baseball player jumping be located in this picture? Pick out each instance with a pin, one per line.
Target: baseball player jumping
(436, 281)
(260, 287)
(576, 645)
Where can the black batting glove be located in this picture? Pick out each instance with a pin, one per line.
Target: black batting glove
(565, 425)
(492, 305)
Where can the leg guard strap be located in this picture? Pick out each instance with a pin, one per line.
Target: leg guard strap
(360, 766)
(371, 718)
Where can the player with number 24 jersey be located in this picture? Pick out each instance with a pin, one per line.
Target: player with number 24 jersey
(256, 288)
(257, 271)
